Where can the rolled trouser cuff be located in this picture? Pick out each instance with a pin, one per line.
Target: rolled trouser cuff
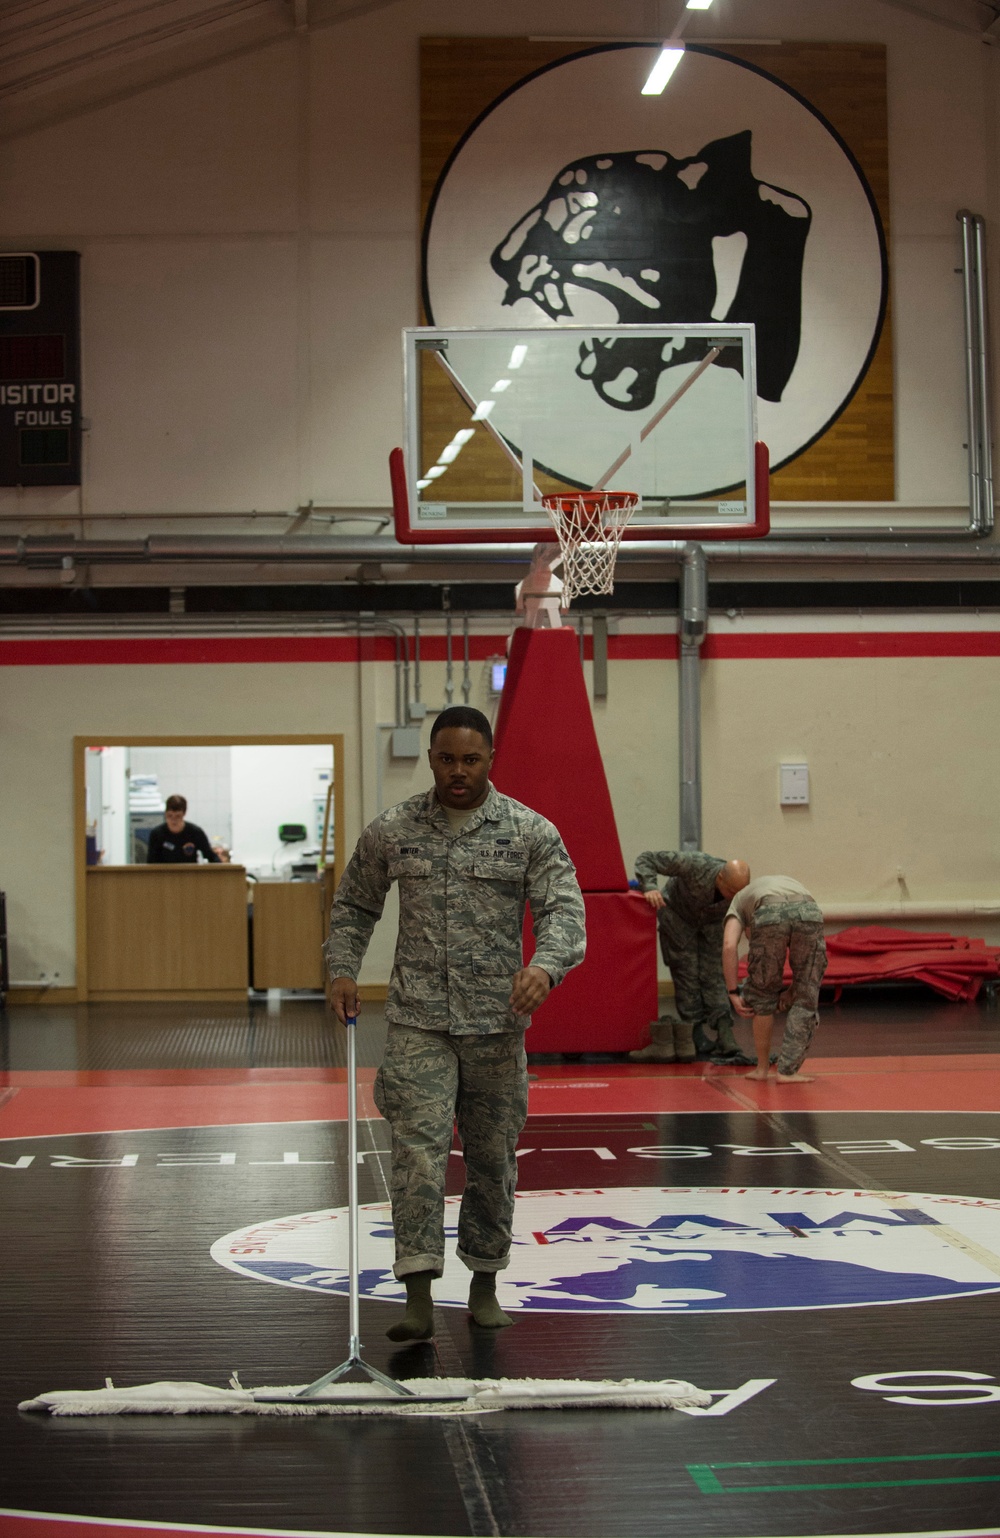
(410, 1263)
(763, 1001)
(475, 1264)
(799, 1031)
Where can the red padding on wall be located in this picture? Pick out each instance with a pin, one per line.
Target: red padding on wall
(606, 1003)
(547, 754)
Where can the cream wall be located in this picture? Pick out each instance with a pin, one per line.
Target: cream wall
(250, 242)
(107, 703)
(903, 757)
(42, 709)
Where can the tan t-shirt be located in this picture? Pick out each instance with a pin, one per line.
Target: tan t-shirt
(781, 888)
(457, 817)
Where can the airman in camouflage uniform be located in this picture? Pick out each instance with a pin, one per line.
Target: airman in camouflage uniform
(467, 859)
(781, 920)
(690, 916)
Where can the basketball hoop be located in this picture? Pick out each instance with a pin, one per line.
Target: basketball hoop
(589, 526)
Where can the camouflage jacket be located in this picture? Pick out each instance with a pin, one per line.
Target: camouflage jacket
(690, 890)
(461, 910)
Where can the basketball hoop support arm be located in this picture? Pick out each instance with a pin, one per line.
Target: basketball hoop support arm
(693, 626)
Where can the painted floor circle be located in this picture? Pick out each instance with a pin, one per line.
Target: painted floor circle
(666, 1250)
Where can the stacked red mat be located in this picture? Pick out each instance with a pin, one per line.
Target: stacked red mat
(950, 964)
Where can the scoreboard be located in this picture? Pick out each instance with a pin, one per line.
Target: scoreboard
(39, 368)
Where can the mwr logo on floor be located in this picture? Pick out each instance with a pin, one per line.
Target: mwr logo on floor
(654, 1250)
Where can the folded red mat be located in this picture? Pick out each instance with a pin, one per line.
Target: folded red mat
(874, 937)
(953, 965)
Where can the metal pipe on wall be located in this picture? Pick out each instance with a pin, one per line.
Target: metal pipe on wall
(368, 620)
(977, 372)
(449, 669)
(693, 624)
(43, 552)
(948, 908)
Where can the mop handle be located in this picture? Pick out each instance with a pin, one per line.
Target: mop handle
(352, 1184)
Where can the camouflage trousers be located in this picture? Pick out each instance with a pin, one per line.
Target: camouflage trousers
(795, 930)
(694, 955)
(430, 1081)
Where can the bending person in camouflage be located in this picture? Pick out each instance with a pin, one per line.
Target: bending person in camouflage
(467, 859)
(779, 919)
(690, 913)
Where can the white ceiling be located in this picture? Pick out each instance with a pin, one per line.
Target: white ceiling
(58, 57)
(61, 56)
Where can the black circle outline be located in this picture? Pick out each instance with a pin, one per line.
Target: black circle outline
(715, 53)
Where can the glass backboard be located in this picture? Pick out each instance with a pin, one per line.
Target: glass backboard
(495, 419)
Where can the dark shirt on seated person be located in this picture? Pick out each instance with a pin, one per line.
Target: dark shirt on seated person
(183, 848)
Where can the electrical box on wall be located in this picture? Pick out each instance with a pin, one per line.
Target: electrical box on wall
(794, 784)
(406, 742)
(39, 368)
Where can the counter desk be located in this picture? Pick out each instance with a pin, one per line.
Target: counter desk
(180, 932)
(167, 932)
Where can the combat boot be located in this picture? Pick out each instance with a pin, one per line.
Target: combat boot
(726, 1047)
(684, 1047)
(704, 1044)
(661, 1044)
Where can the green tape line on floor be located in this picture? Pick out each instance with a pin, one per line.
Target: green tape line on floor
(708, 1482)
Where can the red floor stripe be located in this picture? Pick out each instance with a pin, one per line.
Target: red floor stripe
(15, 1524)
(61, 1104)
(25, 1525)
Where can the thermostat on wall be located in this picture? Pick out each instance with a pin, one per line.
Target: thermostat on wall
(794, 784)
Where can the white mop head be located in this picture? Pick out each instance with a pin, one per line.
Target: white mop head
(478, 1396)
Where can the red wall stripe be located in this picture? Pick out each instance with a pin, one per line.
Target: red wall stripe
(173, 651)
(855, 643)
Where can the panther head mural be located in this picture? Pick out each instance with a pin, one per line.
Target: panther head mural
(665, 240)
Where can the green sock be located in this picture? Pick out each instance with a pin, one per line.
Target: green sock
(418, 1321)
(483, 1304)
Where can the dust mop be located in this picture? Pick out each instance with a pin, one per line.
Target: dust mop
(380, 1394)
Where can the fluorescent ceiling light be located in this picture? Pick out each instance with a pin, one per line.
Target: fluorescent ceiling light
(435, 471)
(482, 411)
(500, 386)
(666, 63)
(698, 5)
(518, 356)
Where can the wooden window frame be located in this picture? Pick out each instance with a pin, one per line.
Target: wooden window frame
(332, 740)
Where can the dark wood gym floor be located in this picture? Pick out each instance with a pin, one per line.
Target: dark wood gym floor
(135, 1139)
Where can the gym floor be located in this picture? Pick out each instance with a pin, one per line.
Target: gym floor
(831, 1273)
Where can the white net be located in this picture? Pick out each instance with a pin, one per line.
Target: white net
(589, 526)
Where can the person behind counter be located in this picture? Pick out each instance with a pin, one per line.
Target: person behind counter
(178, 842)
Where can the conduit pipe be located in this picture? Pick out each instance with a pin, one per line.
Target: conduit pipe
(449, 671)
(43, 552)
(369, 621)
(869, 913)
(693, 625)
(977, 372)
